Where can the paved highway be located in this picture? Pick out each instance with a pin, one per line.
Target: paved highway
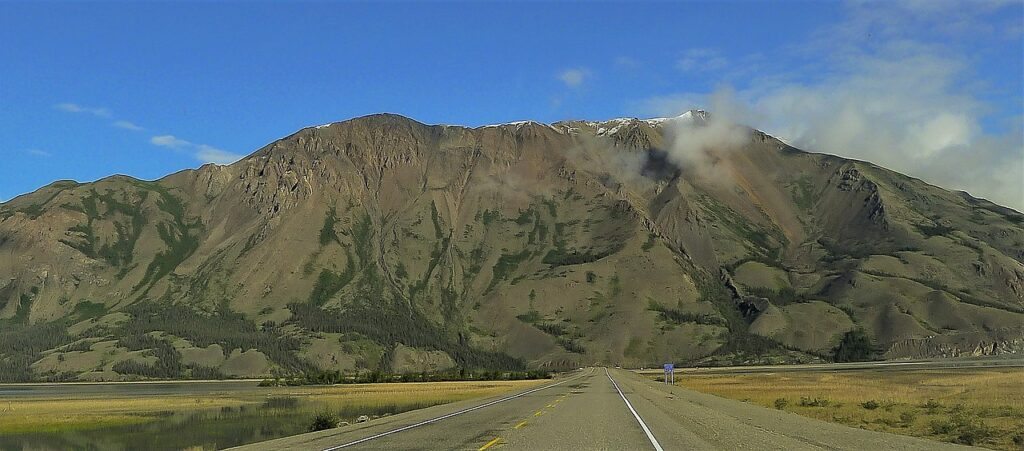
(598, 408)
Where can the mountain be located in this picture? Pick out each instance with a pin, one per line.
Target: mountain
(381, 243)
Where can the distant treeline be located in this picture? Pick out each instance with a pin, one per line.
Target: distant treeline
(373, 377)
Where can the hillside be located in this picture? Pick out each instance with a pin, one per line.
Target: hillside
(381, 243)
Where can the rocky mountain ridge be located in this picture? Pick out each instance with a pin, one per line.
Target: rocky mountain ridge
(381, 243)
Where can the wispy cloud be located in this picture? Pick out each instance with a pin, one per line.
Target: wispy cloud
(701, 60)
(76, 108)
(202, 152)
(210, 154)
(574, 77)
(627, 63)
(38, 153)
(127, 125)
(169, 141)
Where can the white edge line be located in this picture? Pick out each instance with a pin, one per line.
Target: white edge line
(434, 420)
(647, 431)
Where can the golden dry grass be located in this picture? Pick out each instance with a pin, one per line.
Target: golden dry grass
(984, 407)
(24, 415)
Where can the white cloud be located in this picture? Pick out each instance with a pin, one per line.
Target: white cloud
(574, 78)
(38, 153)
(202, 152)
(701, 60)
(169, 141)
(694, 143)
(914, 106)
(625, 62)
(210, 154)
(128, 126)
(76, 108)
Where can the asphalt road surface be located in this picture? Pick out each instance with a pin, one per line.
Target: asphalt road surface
(598, 408)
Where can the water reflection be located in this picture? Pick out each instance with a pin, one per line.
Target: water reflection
(210, 428)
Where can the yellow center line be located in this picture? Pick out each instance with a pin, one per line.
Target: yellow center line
(490, 443)
(520, 425)
(538, 413)
(551, 405)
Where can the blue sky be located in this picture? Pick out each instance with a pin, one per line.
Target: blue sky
(91, 89)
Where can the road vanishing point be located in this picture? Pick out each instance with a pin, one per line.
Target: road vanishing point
(596, 409)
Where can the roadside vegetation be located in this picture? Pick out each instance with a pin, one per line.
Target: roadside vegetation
(375, 377)
(981, 407)
(114, 419)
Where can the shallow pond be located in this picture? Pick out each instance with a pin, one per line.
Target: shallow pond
(245, 414)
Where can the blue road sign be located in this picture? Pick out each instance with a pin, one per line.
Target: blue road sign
(669, 367)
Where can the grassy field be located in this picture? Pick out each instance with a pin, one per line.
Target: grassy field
(983, 407)
(51, 415)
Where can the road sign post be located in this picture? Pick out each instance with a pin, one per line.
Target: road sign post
(670, 372)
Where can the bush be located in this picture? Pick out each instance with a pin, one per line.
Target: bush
(908, 417)
(781, 403)
(814, 402)
(324, 421)
(964, 430)
(972, 433)
(870, 405)
(932, 405)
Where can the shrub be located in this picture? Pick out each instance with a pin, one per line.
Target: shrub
(932, 405)
(324, 421)
(814, 402)
(781, 403)
(908, 417)
(964, 430)
(870, 405)
(973, 432)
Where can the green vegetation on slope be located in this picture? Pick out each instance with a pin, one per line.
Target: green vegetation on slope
(180, 236)
(120, 251)
(390, 322)
(224, 327)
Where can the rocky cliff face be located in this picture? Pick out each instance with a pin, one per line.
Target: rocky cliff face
(383, 243)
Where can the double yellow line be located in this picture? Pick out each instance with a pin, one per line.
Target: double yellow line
(540, 412)
(490, 443)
